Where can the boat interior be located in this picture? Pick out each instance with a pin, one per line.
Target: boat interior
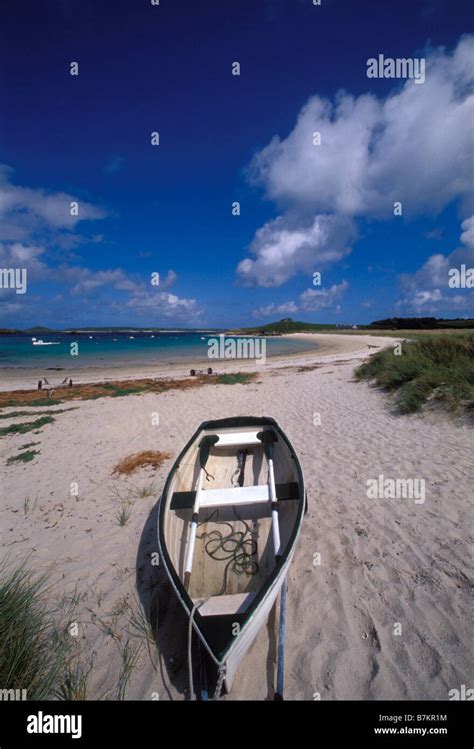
(234, 552)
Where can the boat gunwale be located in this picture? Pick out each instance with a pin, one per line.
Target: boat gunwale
(268, 587)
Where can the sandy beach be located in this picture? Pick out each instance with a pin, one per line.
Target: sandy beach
(378, 604)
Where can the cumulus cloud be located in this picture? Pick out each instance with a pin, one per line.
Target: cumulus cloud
(169, 280)
(24, 210)
(428, 289)
(28, 214)
(282, 247)
(86, 281)
(415, 146)
(165, 304)
(311, 300)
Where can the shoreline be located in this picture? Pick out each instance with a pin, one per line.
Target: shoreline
(339, 345)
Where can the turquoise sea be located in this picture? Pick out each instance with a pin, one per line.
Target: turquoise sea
(120, 349)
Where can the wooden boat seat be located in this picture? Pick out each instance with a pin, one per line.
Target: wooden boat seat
(237, 439)
(185, 500)
(237, 603)
(240, 495)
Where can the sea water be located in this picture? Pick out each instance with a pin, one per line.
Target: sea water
(118, 349)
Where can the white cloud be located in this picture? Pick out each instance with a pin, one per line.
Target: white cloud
(311, 300)
(428, 289)
(165, 304)
(271, 310)
(283, 248)
(24, 211)
(415, 146)
(86, 280)
(467, 236)
(21, 255)
(169, 280)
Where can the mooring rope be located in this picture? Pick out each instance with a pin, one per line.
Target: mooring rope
(220, 681)
(235, 548)
(192, 695)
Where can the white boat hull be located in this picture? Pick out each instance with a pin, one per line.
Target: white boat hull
(195, 574)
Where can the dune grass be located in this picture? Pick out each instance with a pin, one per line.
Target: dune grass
(32, 647)
(27, 426)
(437, 367)
(23, 457)
(17, 414)
(238, 378)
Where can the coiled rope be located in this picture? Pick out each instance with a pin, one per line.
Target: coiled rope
(235, 548)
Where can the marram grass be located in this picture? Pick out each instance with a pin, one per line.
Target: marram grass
(32, 647)
(437, 367)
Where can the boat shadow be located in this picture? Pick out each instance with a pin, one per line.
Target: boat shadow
(168, 620)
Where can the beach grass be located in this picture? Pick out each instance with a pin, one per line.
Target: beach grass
(123, 514)
(237, 378)
(439, 367)
(130, 655)
(32, 647)
(27, 426)
(24, 457)
(75, 683)
(18, 414)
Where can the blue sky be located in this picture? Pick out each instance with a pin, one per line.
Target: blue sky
(305, 208)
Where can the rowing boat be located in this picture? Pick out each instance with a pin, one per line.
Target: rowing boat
(229, 518)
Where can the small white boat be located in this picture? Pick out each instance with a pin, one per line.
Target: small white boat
(229, 518)
(40, 342)
(131, 337)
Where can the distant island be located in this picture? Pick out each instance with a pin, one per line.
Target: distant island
(284, 326)
(104, 329)
(287, 325)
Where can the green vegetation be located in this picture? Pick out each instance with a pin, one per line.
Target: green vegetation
(287, 325)
(32, 647)
(123, 514)
(17, 414)
(75, 684)
(437, 366)
(418, 323)
(239, 378)
(29, 505)
(25, 398)
(27, 426)
(24, 457)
